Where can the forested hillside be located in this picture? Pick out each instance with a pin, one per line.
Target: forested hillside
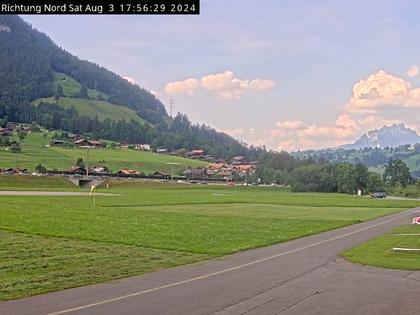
(375, 158)
(29, 65)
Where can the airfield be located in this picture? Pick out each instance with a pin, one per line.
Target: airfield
(168, 248)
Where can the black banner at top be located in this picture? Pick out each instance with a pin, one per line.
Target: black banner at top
(98, 7)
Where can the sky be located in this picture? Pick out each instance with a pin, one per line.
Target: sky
(290, 75)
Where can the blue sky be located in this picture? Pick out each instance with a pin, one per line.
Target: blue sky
(287, 74)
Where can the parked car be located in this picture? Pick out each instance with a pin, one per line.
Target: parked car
(379, 194)
(416, 220)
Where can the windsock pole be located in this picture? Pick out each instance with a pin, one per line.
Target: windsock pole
(93, 191)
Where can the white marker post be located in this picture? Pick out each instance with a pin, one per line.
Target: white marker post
(93, 191)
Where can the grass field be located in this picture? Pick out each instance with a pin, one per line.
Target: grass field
(34, 152)
(91, 108)
(176, 223)
(71, 87)
(31, 264)
(378, 252)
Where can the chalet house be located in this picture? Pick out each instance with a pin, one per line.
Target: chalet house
(124, 146)
(57, 142)
(237, 160)
(161, 175)
(225, 173)
(25, 129)
(216, 166)
(99, 170)
(127, 173)
(76, 170)
(195, 154)
(196, 173)
(142, 147)
(5, 132)
(84, 143)
(74, 137)
(245, 169)
(11, 171)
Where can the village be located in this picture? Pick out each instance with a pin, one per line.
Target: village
(235, 169)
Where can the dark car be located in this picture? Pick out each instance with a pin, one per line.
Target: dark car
(379, 194)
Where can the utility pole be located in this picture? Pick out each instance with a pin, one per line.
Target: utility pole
(171, 107)
(87, 169)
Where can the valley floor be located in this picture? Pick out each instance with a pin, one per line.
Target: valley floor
(49, 243)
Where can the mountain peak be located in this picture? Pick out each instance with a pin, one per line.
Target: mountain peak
(386, 136)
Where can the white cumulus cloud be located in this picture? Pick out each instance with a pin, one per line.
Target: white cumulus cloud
(378, 100)
(224, 85)
(289, 124)
(413, 71)
(188, 86)
(383, 90)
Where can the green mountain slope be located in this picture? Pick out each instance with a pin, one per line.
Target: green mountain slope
(71, 87)
(33, 67)
(91, 108)
(94, 106)
(29, 61)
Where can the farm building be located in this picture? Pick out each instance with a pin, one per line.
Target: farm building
(76, 170)
(58, 142)
(195, 154)
(99, 170)
(11, 171)
(5, 132)
(84, 143)
(196, 173)
(161, 175)
(125, 172)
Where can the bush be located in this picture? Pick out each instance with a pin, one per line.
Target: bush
(15, 148)
(39, 168)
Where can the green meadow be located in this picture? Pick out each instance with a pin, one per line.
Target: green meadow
(34, 151)
(96, 106)
(52, 243)
(379, 251)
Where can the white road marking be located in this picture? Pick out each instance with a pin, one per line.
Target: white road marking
(397, 249)
(123, 297)
(408, 234)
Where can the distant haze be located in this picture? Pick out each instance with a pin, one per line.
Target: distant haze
(387, 136)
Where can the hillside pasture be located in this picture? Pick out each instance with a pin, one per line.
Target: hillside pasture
(35, 150)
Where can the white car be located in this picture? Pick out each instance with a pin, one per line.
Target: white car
(416, 220)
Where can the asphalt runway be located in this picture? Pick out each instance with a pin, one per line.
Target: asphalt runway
(303, 276)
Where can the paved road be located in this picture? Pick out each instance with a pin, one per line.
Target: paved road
(303, 276)
(48, 193)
